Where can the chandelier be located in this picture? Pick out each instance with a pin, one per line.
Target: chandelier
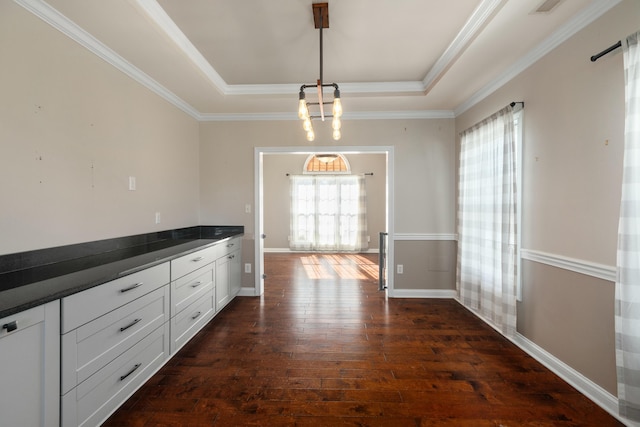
(321, 20)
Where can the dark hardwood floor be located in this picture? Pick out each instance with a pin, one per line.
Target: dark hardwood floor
(323, 347)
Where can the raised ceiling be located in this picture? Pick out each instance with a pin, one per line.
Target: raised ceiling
(235, 59)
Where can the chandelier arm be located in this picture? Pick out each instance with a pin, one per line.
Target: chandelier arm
(320, 12)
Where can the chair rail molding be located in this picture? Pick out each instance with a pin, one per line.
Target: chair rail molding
(425, 236)
(601, 271)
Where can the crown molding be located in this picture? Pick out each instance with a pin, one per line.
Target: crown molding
(151, 7)
(575, 24)
(358, 115)
(246, 117)
(398, 115)
(63, 24)
(160, 17)
(469, 31)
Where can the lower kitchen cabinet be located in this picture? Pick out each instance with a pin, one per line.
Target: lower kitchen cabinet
(228, 273)
(114, 337)
(93, 400)
(189, 321)
(30, 363)
(73, 362)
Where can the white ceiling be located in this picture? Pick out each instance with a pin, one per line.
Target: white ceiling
(246, 59)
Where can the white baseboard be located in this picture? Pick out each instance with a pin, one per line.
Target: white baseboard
(422, 293)
(247, 292)
(584, 385)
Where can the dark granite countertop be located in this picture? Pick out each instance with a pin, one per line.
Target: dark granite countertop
(36, 284)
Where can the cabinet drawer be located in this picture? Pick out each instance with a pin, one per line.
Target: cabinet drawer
(85, 306)
(189, 288)
(19, 321)
(188, 322)
(193, 261)
(231, 245)
(94, 400)
(90, 347)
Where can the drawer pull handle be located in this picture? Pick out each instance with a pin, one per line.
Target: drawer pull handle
(124, 328)
(195, 285)
(122, 378)
(195, 316)
(11, 326)
(130, 288)
(200, 258)
(231, 256)
(230, 245)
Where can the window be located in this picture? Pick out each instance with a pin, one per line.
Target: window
(328, 211)
(326, 163)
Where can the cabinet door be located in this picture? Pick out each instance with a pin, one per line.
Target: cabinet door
(30, 367)
(222, 281)
(235, 273)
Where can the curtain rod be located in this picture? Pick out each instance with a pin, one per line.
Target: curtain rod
(366, 173)
(613, 47)
(511, 104)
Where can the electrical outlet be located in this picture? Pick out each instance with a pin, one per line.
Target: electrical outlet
(400, 268)
(247, 268)
(132, 183)
(158, 218)
(247, 208)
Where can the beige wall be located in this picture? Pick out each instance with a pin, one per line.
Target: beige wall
(424, 169)
(572, 165)
(276, 194)
(427, 265)
(72, 130)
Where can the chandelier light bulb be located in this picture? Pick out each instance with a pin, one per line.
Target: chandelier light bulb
(306, 125)
(336, 134)
(337, 107)
(303, 111)
(336, 123)
(310, 135)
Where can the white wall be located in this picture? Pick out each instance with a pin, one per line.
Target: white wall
(72, 130)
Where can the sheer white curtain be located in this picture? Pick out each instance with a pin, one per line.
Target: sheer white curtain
(486, 271)
(328, 213)
(627, 304)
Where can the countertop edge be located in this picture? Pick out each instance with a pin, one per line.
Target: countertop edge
(41, 292)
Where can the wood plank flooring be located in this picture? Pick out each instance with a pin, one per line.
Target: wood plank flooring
(323, 347)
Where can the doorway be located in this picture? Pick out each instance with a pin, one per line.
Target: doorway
(261, 155)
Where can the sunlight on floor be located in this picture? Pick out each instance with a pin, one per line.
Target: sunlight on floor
(340, 266)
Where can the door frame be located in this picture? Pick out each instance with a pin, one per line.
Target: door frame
(260, 152)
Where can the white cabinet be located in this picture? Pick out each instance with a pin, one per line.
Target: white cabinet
(228, 274)
(193, 293)
(235, 272)
(114, 337)
(30, 367)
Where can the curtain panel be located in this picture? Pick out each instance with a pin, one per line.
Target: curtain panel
(627, 302)
(486, 265)
(328, 213)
